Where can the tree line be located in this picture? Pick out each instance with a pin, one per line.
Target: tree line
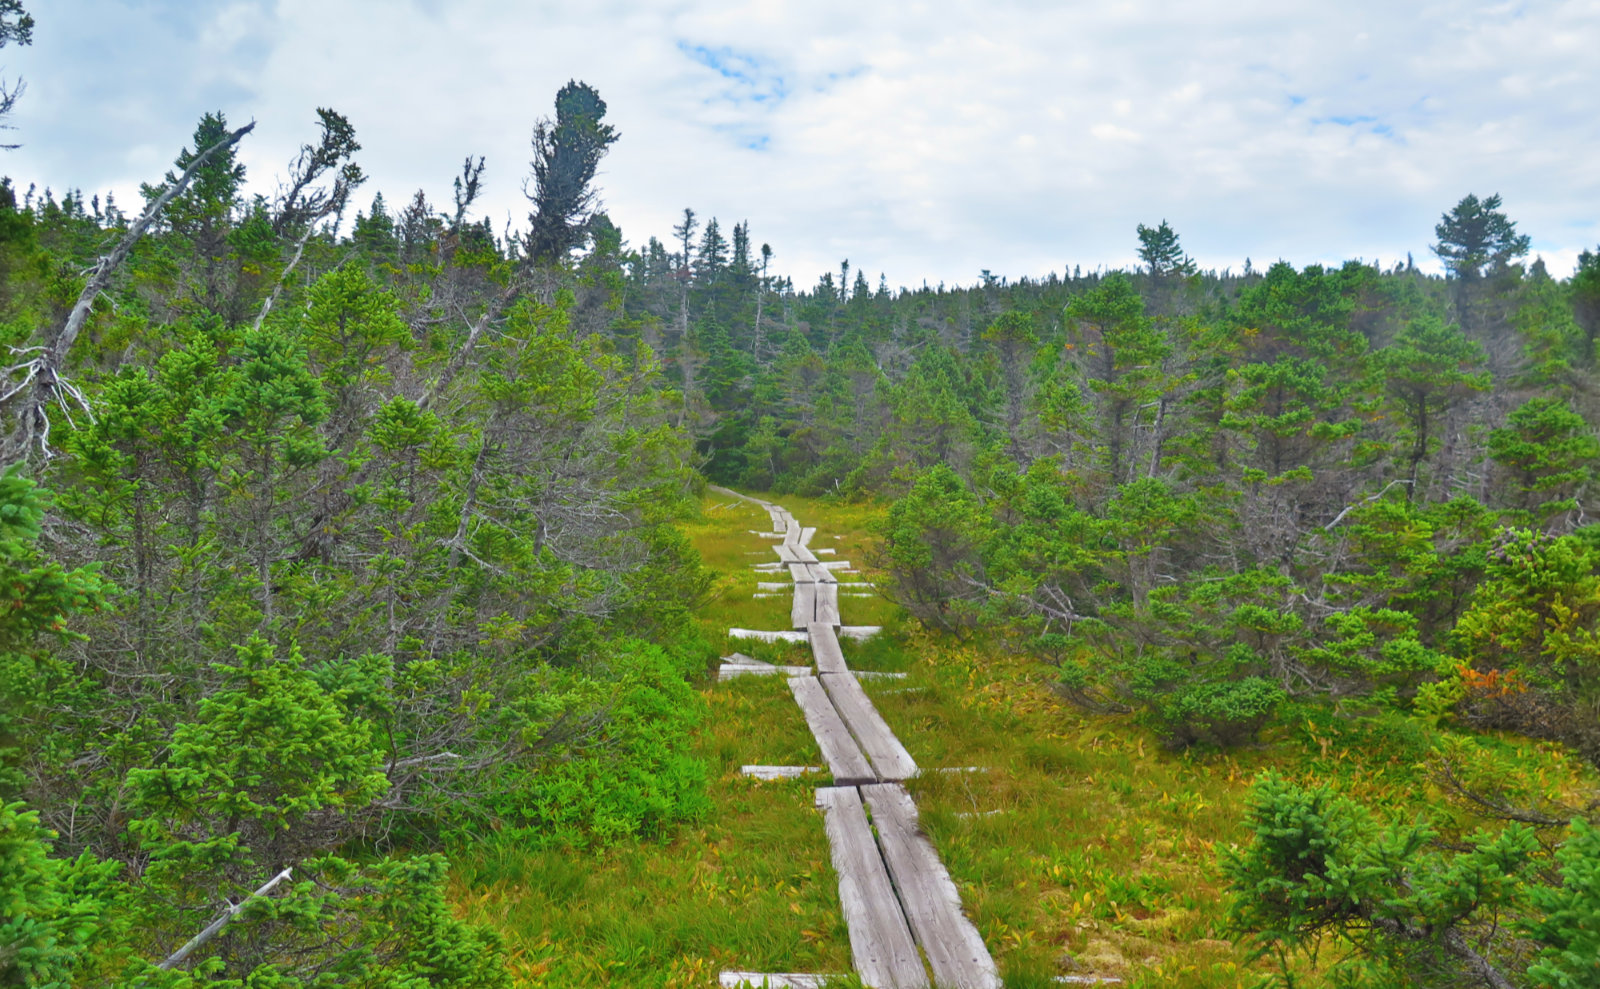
(327, 548)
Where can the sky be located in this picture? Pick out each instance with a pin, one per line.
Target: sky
(926, 141)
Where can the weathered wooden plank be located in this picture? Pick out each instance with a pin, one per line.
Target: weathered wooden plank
(789, 553)
(773, 980)
(800, 573)
(804, 609)
(778, 772)
(765, 636)
(932, 904)
(872, 733)
(827, 602)
(859, 631)
(881, 946)
(839, 748)
(825, 649)
(806, 535)
(803, 555)
(820, 574)
(730, 670)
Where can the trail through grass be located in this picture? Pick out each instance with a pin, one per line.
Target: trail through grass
(1082, 847)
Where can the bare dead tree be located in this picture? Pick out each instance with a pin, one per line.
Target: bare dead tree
(36, 383)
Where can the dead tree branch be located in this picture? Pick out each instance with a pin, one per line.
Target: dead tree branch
(217, 925)
(41, 383)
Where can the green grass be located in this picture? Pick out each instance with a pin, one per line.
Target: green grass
(1085, 847)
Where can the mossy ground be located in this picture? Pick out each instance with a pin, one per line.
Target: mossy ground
(1081, 846)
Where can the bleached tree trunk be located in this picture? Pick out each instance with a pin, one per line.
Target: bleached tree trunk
(41, 382)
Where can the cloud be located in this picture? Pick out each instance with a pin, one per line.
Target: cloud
(925, 140)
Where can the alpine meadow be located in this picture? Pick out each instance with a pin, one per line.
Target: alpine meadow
(388, 599)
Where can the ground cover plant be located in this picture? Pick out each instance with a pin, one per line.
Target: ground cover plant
(1085, 845)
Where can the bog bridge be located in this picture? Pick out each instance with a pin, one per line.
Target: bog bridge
(907, 930)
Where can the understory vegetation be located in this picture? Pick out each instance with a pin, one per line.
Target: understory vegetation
(367, 581)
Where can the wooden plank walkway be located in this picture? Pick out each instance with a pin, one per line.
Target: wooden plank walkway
(804, 609)
(895, 892)
(827, 603)
(933, 905)
(881, 945)
(825, 649)
(839, 750)
(889, 758)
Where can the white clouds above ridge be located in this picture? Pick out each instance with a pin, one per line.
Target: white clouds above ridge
(925, 140)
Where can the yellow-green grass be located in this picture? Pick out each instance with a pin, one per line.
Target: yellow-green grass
(749, 888)
(1085, 847)
(722, 534)
(1088, 848)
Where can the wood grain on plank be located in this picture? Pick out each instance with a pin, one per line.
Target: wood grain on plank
(881, 944)
(800, 573)
(804, 609)
(730, 670)
(825, 649)
(788, 554)
(889, 758)
(827, 602)
(806, 534)
(932, 904)
(839, 748)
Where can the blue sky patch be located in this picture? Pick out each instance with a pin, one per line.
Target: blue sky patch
(752, 78)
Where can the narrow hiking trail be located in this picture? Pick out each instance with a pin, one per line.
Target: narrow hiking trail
(901, 907)
(1081, 852)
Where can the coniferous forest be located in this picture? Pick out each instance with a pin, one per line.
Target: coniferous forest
(361, 574)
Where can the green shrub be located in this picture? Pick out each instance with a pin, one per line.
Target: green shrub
(1225, 714)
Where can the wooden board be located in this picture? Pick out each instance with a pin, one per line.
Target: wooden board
(800, 573)
(804, 609)
(839, 748)
(778, 772)
(802, 554)
(805, 536)
(888, 756)
(825, 649)
(827, 602)
(789, 554)
(766, 636)
(730, 670)
(773, 980)
(881, 945)
(816, 572)
(859, 631)
(932, 904)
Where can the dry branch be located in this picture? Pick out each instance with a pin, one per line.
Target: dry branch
(211, 930)
(41, 382)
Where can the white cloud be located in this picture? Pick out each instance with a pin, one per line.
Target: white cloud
(927, 140)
